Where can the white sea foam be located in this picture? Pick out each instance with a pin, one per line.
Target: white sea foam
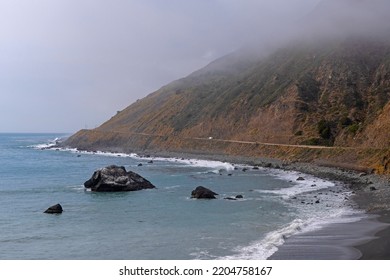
(215, 166)
(309, 217)
(211, 164)
(47, 145)
(309, 184)
(78, 188)
(99, 153)
(268, 245)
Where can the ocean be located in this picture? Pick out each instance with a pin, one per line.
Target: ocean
(162, 223)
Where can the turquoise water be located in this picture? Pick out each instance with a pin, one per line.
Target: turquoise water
(164, 223)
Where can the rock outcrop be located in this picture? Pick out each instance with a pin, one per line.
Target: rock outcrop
(203, 193)
(55, 209)
(116, 179)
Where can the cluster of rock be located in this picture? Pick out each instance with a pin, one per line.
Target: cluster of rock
(205, 193)
(115, 178)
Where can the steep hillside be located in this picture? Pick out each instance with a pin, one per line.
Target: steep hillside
(328, 95)
(331, 92)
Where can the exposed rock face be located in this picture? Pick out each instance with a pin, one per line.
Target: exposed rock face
(55, 209)
(203, 193)
(116, 179)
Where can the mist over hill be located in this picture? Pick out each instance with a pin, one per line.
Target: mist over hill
(323, 82)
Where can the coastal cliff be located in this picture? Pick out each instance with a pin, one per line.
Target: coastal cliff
(307, 100)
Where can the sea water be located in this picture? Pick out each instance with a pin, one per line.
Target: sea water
(161, 223)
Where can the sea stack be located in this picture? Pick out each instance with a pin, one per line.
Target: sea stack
(116, 179)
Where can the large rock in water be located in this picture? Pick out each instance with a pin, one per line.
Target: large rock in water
(116, 179)
(202, 192)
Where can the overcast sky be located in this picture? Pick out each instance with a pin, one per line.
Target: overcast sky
(71, 64)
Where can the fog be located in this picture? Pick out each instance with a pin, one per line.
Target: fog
(67, 65)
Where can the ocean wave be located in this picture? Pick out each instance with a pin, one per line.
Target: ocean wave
(309, 184)
(49, 144)
(269, 244)
(82, 152)
(77, 188)
(332, 209)
(214, 165)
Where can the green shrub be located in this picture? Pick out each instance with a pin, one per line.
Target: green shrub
(318, 142)
(353, 128)
(324, 129)
(345, 121)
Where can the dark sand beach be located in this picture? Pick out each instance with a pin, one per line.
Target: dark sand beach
(334, 242)
(367, 239)
(379, 247)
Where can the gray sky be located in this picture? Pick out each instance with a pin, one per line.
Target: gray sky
(71, 64)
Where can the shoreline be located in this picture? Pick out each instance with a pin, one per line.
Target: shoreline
(366, 239)
(371, 193)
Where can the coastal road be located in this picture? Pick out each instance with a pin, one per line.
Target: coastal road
(270, 144)
(242, 142)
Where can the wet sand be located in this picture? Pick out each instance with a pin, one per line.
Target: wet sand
(366, 239)
(334, 242)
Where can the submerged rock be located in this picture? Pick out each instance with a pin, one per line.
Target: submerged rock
(203, 193)
(116, 179)
(237, 197)
(55, 209)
